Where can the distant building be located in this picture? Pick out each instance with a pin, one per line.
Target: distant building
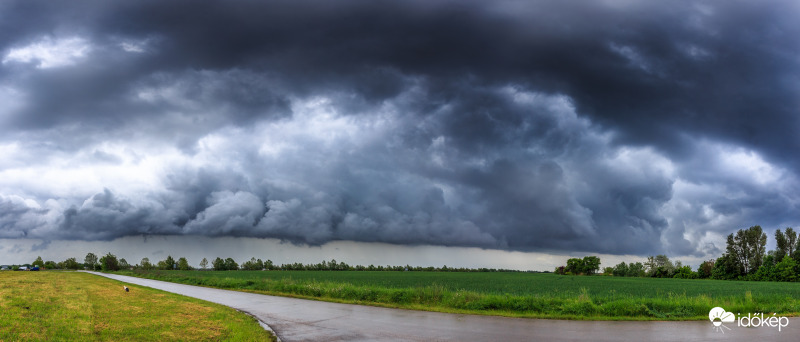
(5, 268)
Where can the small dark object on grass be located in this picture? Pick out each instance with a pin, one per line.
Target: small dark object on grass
(126, 289)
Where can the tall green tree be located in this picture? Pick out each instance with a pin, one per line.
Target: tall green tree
(636, 269)
(109, 262)
(71, 264)
(791, 237)
(786, 269)
(704, 269)
(145, 263)
(38, 262)
(726, 268)
(574, 266)
(167, 264)
(230, 264)
(90, 261)
(204, 263)
(748, 248)
(218, 264)
(660, 266)
(183, 264)
(250, 264)
(253, 264)
(588, 265)
(591, 264)
(620, 270)
(787, 243)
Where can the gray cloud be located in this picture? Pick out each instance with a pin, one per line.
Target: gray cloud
(40, 246)
(19, 217)
(593, 126)
(105, 216)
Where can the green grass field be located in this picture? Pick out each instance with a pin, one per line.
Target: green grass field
(73, 306)
(510, 294)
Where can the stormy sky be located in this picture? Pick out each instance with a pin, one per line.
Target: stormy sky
(616, 127)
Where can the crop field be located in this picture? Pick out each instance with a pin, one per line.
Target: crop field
(73, 306)
(510, 294)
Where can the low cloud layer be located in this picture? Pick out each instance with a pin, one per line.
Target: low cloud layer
(601, 126)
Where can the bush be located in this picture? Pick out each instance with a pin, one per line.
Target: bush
(109, 263)
(785, 270)
(71, 264)
(685, 272)
(620, 270)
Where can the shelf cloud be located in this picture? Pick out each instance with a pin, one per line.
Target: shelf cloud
(620, 127)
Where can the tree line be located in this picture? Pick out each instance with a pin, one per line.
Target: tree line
(745, 258)
(111, 262)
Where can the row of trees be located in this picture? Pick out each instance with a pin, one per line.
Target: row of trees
(167, 264)
(745, 258)
(69, 264)
(110, 262)
(658, 266)
(333, 265)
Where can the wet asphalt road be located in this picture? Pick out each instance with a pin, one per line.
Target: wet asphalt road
(307, 320)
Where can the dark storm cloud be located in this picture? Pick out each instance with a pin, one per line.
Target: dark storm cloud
(592, 126)
(15, 217)
(646, 70)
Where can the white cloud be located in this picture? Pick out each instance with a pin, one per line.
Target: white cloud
(50, 53)
(228, 212)
(132, 47)
(78, 174)
(750, 166)
(732, 165)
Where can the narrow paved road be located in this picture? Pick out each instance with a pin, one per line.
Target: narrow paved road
(307, 320)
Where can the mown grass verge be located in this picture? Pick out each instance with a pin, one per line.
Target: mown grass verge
(509, 294)
(73, 306)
